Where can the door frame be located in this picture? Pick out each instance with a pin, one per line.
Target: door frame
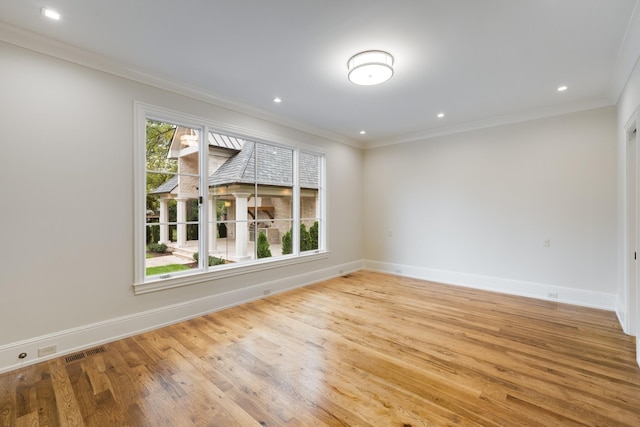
(632, 230)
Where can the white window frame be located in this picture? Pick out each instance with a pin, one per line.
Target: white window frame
(143, 284)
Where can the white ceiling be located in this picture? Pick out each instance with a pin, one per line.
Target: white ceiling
(478, 61)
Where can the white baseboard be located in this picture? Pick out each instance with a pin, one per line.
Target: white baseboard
(621, 312)
(77, 339)
(513, 287)
(87, 336)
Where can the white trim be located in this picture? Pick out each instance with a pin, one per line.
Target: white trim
(323, 235)
(627, 306)
(295, 226)
(621, 314)
(143, 284)
(628, 55)
(203, 168)
(566, 295)
(139, 191)
(87, 336)
(493, 122)
(633, 302)
(38, 43)
(224, 271)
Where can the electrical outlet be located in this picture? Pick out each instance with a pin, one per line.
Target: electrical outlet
(45, 351)
(267, 291)
(546, 242)
(553, 295)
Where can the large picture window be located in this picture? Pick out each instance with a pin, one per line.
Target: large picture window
(214, 203)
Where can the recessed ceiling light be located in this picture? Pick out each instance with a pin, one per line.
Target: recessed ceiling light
(440, 115)
(51, 14)
(362, 132)
(277, 100)
(562, 88)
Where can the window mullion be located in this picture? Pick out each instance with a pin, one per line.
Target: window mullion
(295, 232)
(321, 211)
(203, 205)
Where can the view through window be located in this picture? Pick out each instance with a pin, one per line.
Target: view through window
(233, 199)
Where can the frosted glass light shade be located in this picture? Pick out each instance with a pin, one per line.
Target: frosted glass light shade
(371, 67)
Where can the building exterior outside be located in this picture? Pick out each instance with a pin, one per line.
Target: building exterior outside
(250, 190)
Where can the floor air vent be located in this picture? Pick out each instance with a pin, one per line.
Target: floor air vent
(74, 357)
(83, 354)
(95, 351)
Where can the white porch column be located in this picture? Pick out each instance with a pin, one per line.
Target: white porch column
(164, 218)
(182, 218)
(242, 226)
(213, 227)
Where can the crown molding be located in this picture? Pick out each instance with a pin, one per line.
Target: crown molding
(627, 58)
(628, 55)
(493, 122)
(36, 42)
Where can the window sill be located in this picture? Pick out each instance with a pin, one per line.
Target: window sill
(223, 272)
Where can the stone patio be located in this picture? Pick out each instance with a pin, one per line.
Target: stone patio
(226, 249)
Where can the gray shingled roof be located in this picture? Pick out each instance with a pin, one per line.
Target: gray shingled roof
(309, 170)
(167, 186)
(275, 167)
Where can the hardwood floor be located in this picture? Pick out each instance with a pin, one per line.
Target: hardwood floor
(367, 349)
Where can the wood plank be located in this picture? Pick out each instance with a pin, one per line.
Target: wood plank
(367, 349)
(67, 406)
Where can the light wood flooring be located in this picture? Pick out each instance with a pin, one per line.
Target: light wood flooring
(367, 349)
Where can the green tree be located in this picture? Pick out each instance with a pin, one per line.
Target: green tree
(287, 243)
(305, 239)
(263, 245)
(212, 259)
(192, 215)
(158, 141)
(313, 233)
(308, 239)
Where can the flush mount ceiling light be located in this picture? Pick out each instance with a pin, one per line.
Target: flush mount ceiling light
(371, 67)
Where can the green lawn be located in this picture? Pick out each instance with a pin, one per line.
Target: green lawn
(164, 269)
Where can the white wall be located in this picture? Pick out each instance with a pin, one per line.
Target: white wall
(475, 208)
(66, 249)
